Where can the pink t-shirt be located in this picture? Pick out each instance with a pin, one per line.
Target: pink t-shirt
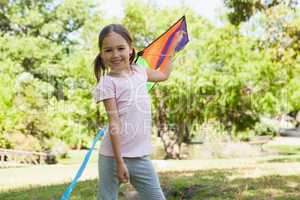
(134, 109)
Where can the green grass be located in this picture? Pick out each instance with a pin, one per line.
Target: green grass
(84, 190)
(285, 159)
(218, 185)
(77, 156)
(283, 149)
(211, 184)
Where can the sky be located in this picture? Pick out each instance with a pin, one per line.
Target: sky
(208, 9)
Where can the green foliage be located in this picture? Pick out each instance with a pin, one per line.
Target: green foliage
(242, 10)
(43, 94)
(278, 28)
(47, 51)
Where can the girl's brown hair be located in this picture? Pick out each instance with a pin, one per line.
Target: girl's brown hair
(99, 66)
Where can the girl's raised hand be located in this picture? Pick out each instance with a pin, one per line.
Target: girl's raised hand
(178, 36)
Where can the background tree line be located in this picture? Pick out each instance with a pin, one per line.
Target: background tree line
(229, 76)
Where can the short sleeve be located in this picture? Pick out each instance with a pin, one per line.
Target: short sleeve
(142, 70)
(104, 90)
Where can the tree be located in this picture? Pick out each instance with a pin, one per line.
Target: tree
(278, 26)
(39, 81)
(242, 10)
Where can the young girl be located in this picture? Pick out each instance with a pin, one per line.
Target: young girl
(124, 152)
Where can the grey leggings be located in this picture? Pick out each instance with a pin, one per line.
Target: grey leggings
(141, 175)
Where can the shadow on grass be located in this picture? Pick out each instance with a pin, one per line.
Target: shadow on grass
(283, 160)
(283, 149)
(220, 185)
(213, 184)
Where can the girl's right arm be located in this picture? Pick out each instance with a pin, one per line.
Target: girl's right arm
(114, 131)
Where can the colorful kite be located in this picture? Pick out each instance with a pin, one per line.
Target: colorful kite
(155, 56)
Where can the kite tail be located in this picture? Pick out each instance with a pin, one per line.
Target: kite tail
(73, 184)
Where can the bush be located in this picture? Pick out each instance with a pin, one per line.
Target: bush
(57, 148)
(4, 143)
(23, 142)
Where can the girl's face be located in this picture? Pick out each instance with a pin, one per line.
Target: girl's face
(115, 52)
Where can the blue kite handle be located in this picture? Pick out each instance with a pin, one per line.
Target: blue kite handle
(69, 190)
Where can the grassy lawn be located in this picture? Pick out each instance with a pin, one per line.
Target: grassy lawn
(210, 184)
(259, 178)
(76, 157)
(282, 149)
(84, 190)
(220, 185)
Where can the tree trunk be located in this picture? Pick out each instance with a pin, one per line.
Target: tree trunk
(170, 139)
(186, 138)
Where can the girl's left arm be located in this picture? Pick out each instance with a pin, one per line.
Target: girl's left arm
(162, 75)
(159, 76)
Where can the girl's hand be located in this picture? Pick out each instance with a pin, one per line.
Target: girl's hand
(178, 36)
(122, 172)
